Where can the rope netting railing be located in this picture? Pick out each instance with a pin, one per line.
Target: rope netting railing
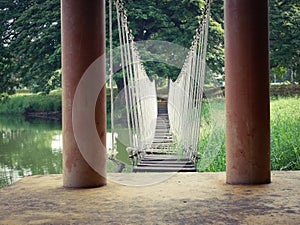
(185, 94)
(139, 90)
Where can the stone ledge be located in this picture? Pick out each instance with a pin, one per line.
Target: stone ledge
(181, 198)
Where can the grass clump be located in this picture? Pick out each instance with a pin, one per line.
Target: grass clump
(26, 102)
(212, 137)
(285, 130)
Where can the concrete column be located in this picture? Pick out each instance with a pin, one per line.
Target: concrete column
(83, 41)
(247, 92)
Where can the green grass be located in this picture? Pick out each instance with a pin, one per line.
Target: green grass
(285, 127)
(23, 102)
(285, 131)
(212, 137)
(26, 102)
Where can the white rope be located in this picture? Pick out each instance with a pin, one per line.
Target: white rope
(120, 12)
(140, 92)
(185, 94)
(146, 102)
(132, 90)
(202, 71)
(111, 78)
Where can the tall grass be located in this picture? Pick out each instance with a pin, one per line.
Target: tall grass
(23, 103)
(212, 137)
(26, 102)
(285, 132)
(285, 127)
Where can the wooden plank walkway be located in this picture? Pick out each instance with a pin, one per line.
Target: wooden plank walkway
(162, 157)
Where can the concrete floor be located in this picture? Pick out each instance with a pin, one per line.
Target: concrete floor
(181, 198)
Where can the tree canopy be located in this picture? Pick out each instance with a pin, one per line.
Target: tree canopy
(285, 37)
(175, 22)
(30, 45)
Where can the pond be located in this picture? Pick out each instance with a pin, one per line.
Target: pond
(33, 146)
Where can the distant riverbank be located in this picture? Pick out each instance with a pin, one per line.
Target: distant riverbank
(39, 105)
(30, 104)
(50, 106)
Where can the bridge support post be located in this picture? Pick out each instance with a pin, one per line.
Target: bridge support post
(247, 92)
(83, 41)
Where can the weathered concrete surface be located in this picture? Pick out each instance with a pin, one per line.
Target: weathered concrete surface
(184, 198)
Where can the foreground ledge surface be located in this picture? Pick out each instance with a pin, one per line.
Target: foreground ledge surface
(181, 198)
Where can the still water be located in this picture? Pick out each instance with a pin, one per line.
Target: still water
(28, 147)
(31, 147)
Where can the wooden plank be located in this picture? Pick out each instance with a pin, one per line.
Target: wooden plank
(162, 130)
(166, 165)
(163, 137)
(162, 169)
(144, 162)
(160, 152)
(161, 157)
(163, 146)
(163, 141)
(165, 158)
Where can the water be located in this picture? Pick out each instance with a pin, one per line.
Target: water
(28, 147)
(32, 147)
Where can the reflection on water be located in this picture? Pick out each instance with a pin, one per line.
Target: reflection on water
(28, 147)
(34, 146)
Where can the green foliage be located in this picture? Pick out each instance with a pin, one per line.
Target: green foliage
(21, 104)
(215, 48)
(30, 45)
(285, 130)
(277, 73)
(175, 22)
(284, 35)
(212, 137)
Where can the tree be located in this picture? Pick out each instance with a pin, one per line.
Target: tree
(7, 80)
(30, 43)
(30, 38)
(30, 46)
(284, 36)
(176, 22)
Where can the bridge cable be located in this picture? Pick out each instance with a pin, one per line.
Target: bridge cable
(139, 90)
(186, 93)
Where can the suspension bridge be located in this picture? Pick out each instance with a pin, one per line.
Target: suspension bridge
(163, 135)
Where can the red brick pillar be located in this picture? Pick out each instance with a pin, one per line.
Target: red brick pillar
(247, 92)
(83, 41)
